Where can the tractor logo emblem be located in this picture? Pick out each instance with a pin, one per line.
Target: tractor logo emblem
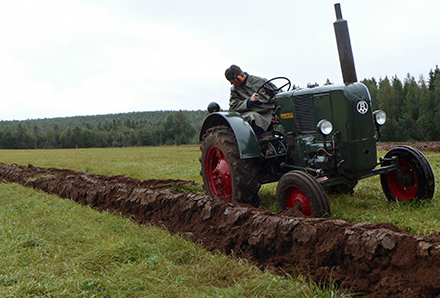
(362, 107)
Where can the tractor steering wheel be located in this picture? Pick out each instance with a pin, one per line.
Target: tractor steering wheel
(272, 92)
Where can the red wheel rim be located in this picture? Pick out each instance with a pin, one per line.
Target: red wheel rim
(296, 196)
(218, 173)
(401, 191)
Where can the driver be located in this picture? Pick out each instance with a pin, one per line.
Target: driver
(254, 107)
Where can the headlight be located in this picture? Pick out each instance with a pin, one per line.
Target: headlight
(380, 117)
(325, 127)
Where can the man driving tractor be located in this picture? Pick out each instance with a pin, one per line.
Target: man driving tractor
(245, 100)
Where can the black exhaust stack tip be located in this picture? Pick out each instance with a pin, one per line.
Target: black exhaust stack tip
(344, 47)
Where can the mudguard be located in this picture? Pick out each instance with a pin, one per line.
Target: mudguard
(246, 139)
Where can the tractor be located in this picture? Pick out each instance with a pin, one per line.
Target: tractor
(322, 140)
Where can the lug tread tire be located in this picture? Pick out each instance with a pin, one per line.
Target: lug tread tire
(244, 182)
(303, 181)
(423, 172)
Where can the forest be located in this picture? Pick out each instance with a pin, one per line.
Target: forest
(412, 107)
(100, 131)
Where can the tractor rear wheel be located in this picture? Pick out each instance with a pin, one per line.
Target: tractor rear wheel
(416, 181)
(224, 173)
(301, 191)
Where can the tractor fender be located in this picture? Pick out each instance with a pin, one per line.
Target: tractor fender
(246, 139)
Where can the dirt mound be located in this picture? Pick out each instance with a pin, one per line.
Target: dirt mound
(378, 260)
(422, 146)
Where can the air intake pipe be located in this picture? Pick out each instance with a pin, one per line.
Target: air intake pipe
(344, 47)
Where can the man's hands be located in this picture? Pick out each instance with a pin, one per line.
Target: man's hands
(255, 97)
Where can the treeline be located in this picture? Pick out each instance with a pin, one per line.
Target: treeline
(115, 130)
(412, 106)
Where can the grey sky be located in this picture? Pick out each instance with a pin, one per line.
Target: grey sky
(73, 57)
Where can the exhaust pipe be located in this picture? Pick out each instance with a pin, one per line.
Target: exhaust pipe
(344, 47)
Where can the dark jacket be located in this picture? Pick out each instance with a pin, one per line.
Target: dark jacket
(240, 102)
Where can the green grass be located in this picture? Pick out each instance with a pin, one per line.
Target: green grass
(177, 162)
(368, 203)
(52, 247)
(55, 248)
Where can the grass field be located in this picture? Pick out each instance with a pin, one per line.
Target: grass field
(182, 162)
(176, 162)
(55, 248)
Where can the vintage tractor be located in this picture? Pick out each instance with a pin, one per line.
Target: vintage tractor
(322, 139)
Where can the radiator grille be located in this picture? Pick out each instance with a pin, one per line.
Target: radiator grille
(304, 114)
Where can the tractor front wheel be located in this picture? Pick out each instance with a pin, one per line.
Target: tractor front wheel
(415, 180)
(301, 191)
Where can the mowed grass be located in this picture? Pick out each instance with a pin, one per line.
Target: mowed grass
(175, 162)
(52, 247)
(368, 203)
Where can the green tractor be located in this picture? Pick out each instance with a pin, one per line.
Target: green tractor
(323, 139)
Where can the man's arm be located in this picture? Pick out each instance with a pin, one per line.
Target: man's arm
(238, 103)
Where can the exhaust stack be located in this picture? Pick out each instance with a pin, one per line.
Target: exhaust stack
(344, 47)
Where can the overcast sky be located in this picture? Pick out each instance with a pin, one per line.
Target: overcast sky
(77, 57)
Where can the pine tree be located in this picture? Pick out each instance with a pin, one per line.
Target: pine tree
(425, 123)
(387, 99)
(398, 93)
(411, 100)
(373, 90)
(432, 76)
